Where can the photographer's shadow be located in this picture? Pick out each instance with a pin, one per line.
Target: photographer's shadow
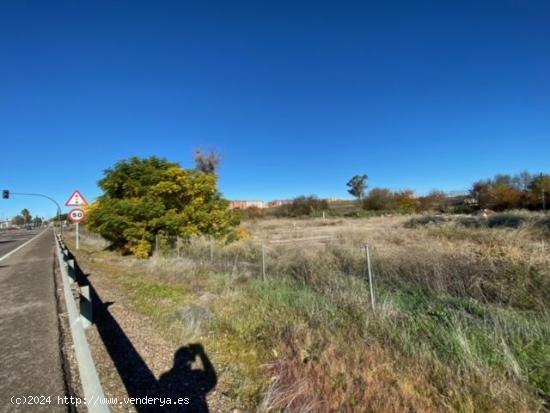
(184, 381)
(185, 386)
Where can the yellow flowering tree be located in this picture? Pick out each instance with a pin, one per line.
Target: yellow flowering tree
(146, 197)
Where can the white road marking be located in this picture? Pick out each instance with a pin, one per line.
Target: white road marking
(22, 245)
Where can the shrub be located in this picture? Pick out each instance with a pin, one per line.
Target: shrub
(382, 199)
(252, 212)
(471, 222)
(141, 249)
(544, 224)
(405, 201)
(379, 199)
(435, 200)
(425, 220)
(303, 206)
(505, 220)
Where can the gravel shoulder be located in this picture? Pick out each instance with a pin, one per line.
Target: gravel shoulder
(132, 357)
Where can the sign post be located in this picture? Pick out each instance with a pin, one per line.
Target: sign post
(76, 215)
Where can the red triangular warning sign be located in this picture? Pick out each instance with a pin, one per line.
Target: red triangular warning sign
(76, 199)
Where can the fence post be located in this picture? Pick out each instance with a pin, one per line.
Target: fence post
(178, 245)
(211, 250)
(157, 244)
(263, 261)
(371, 286)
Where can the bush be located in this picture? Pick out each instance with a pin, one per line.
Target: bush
(543, 224)
(303, 206)
(379, 199)
(252, 212)
(471, 222)
(425, 220)
(505, 221)
(382, 199)
(405, 201)
(462, 209)
(435, 201)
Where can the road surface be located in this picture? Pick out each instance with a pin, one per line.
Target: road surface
(30, 359)
(9, 240)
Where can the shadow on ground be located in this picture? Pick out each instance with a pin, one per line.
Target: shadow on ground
(181, 384)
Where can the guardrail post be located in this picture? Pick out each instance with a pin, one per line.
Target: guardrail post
(89, 378)
(70, 269)
(85, 306)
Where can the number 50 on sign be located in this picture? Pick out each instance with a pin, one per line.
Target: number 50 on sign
(76, 215)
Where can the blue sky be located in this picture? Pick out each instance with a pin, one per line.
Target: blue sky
(297, 96)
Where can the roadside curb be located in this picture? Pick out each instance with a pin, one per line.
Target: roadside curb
(78, 321)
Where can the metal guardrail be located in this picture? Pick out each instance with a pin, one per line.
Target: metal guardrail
(79, 321)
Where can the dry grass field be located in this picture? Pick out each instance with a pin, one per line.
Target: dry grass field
(461, 321)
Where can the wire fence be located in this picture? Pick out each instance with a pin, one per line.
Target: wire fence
(298, 255)
(301, 257)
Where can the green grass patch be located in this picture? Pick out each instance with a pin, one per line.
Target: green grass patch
(470, 335)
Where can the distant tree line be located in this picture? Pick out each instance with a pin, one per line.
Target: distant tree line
(25, 218)
(524, 190)
(303, 206)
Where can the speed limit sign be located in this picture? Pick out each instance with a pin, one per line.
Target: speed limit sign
(76, 215)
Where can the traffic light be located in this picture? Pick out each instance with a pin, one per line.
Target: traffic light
(5, 194)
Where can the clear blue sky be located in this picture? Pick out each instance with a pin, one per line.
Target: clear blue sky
(298, 96)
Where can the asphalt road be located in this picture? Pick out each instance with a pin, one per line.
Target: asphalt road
(30, 361)
(9, 240)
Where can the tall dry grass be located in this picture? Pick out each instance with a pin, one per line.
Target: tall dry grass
(461, 322)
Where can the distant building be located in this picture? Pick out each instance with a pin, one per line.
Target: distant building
(4, 224)
(278, 202)
(269, 204)
(247, 204)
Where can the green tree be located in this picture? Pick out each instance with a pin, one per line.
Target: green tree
(145, 197)
(27, 217)
(540, 189)
(37, 221)
(18, 220)
(357, 186)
